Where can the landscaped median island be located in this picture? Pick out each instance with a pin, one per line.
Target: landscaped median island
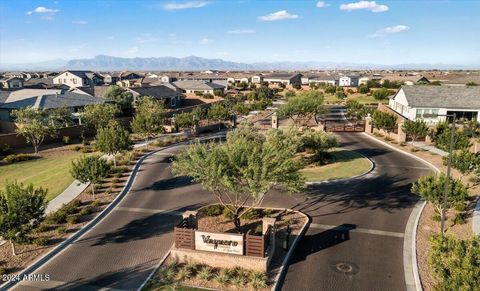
(35, 240)
(210, 252)
(342, 164)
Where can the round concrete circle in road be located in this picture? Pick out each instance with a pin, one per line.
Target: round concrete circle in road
(346, 268)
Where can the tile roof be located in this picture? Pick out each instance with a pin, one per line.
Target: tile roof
(158, 92)
(197, 85)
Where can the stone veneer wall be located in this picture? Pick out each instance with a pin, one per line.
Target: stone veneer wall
(222, 260)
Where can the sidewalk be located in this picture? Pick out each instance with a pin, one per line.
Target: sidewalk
(429, 148)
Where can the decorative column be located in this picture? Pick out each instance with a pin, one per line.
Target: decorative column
(191, 216)
(274, 120)
(368, 124)
(401, 136)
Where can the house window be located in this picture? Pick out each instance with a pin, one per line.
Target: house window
(74, 81)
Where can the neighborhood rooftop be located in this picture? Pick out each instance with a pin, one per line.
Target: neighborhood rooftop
(442, 96)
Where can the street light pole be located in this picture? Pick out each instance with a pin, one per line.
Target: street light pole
(447, 181)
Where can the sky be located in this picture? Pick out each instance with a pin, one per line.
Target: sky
(350, 31)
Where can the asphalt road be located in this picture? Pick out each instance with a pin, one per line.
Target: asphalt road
(363, 251)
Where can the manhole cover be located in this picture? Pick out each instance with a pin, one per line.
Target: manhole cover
(347, 268)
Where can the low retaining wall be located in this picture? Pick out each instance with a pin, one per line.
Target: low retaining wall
(221, 260)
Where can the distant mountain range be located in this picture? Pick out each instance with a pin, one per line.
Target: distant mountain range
(193, 63)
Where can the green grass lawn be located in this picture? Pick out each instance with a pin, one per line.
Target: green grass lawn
(346, 164)
(51, 173)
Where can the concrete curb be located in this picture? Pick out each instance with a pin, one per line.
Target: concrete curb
(283, 270)
(155, 269)
(476, 218)
(90, 225)
(372, 167)
(410, 241)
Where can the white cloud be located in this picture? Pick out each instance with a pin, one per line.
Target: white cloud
(366, 5)
(145, 38)
(322, 4)
(43, 10)
(242, 31)
(80, 22)
(389, 30)
(132, 50)
(279, 15)
(205, 41)
(172, 6)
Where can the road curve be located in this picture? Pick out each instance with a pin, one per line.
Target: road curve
(363, 253)
(355, 241)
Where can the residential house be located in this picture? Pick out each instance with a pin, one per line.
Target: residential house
(348, 81)
(257, 79)
(196, 86)
(167, 93)
(11, 83)
(78, 79)
(418, 101)
(43, 99)
(284, 78)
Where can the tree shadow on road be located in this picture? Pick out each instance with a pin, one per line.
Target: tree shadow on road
(313, 243)
(141, 228)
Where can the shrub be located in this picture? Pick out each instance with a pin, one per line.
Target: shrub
(61, 230)
(96, 203)
(227, 213)
(18, 158)
(455, 262)
(205, 273)
(341, 95)
(223, 277)
(66, 139)
(208, 96)
(69, 208)
(56, 217)
(77, 148)
(184, 273)
(436, 217)
(258, 280)
(73, 219)
(459, 218)
(3, 271)
(253, 214)
(85, 211)
(167, 273)
(382, 93)
(5, 150)
(42, 228)
(41, 241)
(213, 210)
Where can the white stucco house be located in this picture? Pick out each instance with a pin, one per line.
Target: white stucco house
(78, 79)
(284, 78)
(414, 101)
(348, 81)
(11, 83)
(257, 79)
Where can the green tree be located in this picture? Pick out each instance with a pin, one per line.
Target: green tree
(60, 117)
(242, 86)
(363, 89)
(120, 96)
(90, 169)
(431, 189)
(356, 109)
(219, 112)
(20, 207)
(415, 128)
(464, 161)
(95, 116)
(242, 169)
(241, 109)
(455, 262)
(384, 120)
(319, 142)
(382, 93)
(34, 125)
(442, 138)
(186, 120)
(303, 107)
(112, 139)
(330, 89)
(148, 119)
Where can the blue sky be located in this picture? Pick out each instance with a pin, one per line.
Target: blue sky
(378, 32)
